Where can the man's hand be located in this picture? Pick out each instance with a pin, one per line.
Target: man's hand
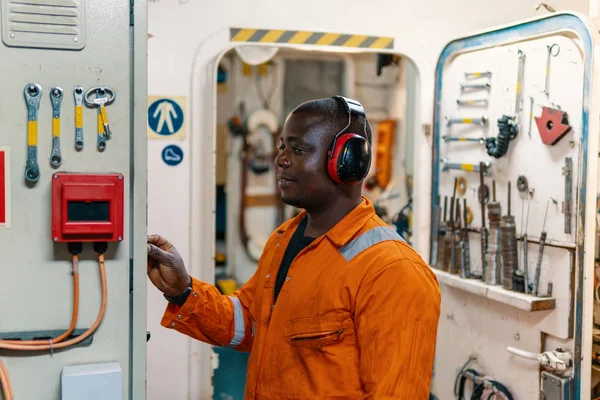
(165, 267)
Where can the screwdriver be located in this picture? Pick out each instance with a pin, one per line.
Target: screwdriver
(525, 244)
(483, 194)
(465, 270)
(538, 267)
(451, 227)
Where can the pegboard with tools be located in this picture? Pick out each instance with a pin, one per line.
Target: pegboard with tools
(515, 145)
(509, 152)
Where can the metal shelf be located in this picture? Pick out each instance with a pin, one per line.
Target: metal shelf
(525, 302)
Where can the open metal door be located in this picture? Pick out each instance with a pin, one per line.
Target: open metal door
(516, 112)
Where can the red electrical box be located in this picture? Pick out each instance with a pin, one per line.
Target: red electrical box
(87, 207)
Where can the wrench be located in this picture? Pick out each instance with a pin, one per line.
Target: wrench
(101, 143)
(101, 101)
(483, 121)
(549, 55)
(448, 138)
(464, 167)
(478, 74)
(474, 102)
(473, 86)
(530, 115)
(78, 94)
(56, 97)
(33, 94)
(519, 90)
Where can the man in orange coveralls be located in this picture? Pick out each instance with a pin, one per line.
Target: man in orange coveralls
(340, 306)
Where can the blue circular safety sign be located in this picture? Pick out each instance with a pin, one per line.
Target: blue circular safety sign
(165, 117)
(172, 155)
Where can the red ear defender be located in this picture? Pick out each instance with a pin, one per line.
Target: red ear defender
(350, 160)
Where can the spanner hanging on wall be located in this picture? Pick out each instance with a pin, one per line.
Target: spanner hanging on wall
(78, 94)
(567, 204)
(104, 96)
(56, 97)
(447, 165)
(483, 121)
(33, 94)
(548, 58)
(101, 142)
(519, 89)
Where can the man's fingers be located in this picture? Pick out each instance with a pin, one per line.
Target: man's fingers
(158, 254)
(159, 241)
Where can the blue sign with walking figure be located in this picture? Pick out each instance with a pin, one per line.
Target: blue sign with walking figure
(165, 117)
(172, 155)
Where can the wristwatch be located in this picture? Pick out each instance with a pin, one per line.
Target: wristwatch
(181, 297)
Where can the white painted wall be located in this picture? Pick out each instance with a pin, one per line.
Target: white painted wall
(183, 30)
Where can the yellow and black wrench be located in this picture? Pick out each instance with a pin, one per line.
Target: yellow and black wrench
(56, 97)
(33, 94)
(78, 94)
(104, 97)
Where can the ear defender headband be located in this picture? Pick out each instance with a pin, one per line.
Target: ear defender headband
(349, 157)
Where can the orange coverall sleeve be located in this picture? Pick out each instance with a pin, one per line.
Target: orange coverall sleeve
(396, 319)
(211, 317)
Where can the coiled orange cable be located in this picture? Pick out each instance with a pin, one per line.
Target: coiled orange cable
(80, 338)
(37, 346)
(6, 384)
(66, 334)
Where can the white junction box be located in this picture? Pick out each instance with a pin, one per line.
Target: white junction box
(92, 382)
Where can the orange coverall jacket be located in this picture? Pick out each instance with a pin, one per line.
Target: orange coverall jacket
(355, 319)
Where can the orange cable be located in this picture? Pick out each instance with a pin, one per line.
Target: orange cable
(41, 347)
(66, 334)
(5, 383)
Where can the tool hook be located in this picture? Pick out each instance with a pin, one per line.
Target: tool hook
(546, 6)
(552, 47)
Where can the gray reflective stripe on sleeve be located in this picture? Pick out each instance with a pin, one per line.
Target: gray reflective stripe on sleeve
(239, 322)
(368, 239)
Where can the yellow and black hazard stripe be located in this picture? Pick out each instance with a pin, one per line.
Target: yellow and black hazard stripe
(315, 38)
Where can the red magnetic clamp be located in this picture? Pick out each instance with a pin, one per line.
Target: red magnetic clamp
(553, 124)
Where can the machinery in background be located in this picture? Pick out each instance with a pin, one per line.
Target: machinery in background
(259, 132)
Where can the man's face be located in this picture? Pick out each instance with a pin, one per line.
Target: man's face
(302, 162)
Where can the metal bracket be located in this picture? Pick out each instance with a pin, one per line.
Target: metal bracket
(47, 335)
(566, 205)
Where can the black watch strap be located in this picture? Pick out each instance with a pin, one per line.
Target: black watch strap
(181, 297)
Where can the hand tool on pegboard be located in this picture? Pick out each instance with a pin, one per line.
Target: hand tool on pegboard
(437, 229)
(483, 194)
(450, 232)
(538, 266)
(473, 102)
(508, 236)
(567, 204)
(519, 87)
(525, 243)
(482, 121)
(449, 238)
(457, 240)
(465, 261)
(447, 165)
(493, 260)
(441, 257)
(549, 56)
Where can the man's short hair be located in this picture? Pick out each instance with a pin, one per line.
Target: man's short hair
(335, 113)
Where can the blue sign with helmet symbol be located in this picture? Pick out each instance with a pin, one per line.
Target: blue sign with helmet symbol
(165, 117)
(172, 155)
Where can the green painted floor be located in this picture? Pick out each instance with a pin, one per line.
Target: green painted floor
(230, 378)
